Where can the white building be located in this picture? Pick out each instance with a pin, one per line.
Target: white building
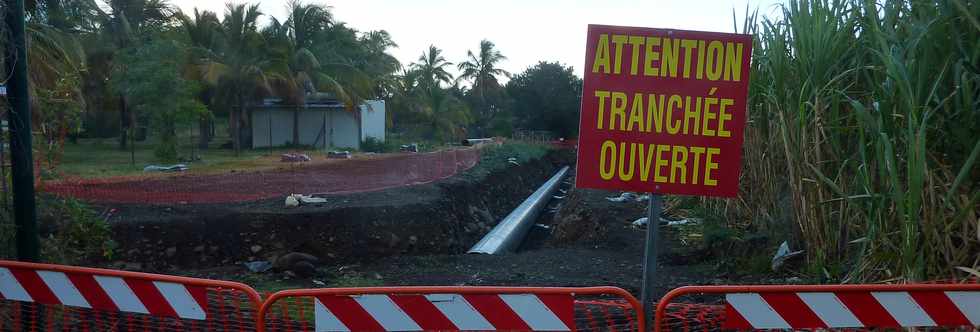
(324, 124)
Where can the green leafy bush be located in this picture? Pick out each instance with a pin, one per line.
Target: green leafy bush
(79, 234)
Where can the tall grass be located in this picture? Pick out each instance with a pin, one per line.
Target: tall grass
(864, 136)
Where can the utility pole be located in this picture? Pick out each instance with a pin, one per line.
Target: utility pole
(21, 158)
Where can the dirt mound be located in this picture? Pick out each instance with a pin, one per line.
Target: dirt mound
(589, 220)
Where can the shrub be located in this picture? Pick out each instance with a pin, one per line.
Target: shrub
(79, 234)
(372, 144)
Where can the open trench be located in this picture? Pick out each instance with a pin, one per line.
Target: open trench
(539, 234)
(444, 217)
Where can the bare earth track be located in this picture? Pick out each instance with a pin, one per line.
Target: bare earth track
(327, 177)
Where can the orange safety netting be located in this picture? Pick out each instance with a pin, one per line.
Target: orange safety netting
(295, 314)
(688, 316)
(227, 310)
(322, 178)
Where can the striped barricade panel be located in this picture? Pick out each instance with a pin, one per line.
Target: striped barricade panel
(44, 297)
(838, 307)
(449, 309)
(811, 310)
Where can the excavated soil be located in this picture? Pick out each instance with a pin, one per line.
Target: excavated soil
(417, 235)
(443, 217)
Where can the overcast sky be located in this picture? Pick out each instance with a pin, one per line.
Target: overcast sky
(526, 31)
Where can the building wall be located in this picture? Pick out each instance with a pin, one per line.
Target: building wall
(343, 131)
(312, 126)
(373, 120)
(322, 128)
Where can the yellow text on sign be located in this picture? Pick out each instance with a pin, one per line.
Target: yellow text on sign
(707, 116)
(658, 163)
(668, 57)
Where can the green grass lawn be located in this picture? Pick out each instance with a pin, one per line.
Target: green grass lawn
(94, 158)
(97, 158)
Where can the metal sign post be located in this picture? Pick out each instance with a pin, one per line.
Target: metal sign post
(650, 256)
(615, 134)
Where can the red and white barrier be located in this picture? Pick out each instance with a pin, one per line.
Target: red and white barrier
(870, 306)
(444, 312)
(852, 309)
(447, 308)
(103, 292)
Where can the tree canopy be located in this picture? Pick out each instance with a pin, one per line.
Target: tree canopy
(547, 96)
(99, 70)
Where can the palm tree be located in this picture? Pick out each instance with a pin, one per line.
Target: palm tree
(378, 64)
(306, 21)
(55, 66)
(344, 60)
(297, 64)
(242, 76)
(482, 69)
(443, 110)
(431, 68)
(203, 31)
(449, 114)
(124, 23)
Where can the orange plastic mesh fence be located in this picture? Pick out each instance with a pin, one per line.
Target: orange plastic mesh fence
(708, 317)
(604, 315)
(47, 297)
(296, 314)
(322, 177)
(227, 310)
(693, 317)
(878, 307)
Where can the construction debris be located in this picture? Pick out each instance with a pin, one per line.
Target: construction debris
(172, 168)
(294, 200)
(294, 157)
(311, 200)
(624, 197)
(291, 201)
(414, 147)
(782, 255)
(476, 141)
(339, 155)
(258, 266)
(687, 221)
